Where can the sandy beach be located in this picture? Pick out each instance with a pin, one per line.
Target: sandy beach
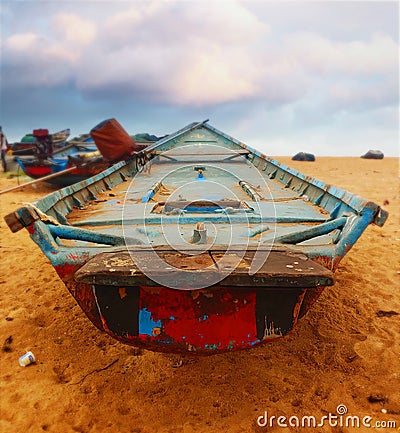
(345, 351)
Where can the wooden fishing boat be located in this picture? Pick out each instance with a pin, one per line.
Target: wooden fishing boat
(84, 156)
(197, 244)
(27, 145)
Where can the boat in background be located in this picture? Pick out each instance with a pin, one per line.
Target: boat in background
(80, 152)
(83, 155)
(86, 164)
(197, 244)
(27, 145)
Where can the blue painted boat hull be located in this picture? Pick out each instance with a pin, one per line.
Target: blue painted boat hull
(72, 155)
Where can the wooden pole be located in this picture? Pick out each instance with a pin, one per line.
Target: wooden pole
(50, 176)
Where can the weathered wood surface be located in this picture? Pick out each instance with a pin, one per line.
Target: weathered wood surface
(280, 269)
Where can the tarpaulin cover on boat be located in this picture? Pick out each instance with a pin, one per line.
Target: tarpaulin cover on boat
(40, 133)
(113, 141)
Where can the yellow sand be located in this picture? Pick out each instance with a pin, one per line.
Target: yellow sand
(342, 352)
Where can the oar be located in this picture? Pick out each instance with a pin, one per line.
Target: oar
(50, 176)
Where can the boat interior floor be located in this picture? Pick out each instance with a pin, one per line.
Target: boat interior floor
(222, 195)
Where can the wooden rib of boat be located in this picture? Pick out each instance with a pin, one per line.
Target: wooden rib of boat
(197, 244)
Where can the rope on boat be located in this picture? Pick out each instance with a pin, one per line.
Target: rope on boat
(141, 160)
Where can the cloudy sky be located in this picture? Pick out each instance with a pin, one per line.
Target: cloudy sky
(282, 76)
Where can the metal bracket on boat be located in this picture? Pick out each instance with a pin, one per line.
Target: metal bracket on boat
(151, 192)
(250, 190)
(200, 234)
(380, 217)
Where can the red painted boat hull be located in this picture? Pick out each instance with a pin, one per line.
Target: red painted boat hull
(207, 321)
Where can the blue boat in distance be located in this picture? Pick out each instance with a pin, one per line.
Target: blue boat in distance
(83, 155)
(197, 244)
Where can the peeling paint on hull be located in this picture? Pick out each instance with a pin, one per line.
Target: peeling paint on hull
(212, 320)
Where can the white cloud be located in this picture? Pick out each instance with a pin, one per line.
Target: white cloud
(22, 42)
(191, 54)
(212, 77)
(130, 16)
(35, 60)
(49, 60)
(188, 53)
(71, 28)
(306, 65)
(226, 22)
(321, 55)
